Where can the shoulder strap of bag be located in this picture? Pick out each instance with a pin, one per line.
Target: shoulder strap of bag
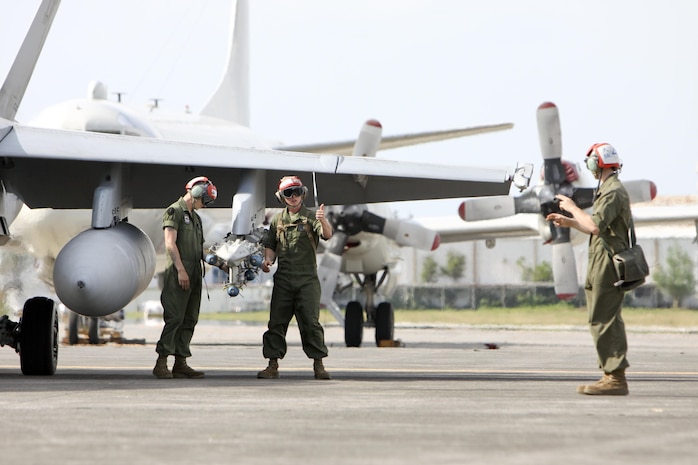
(631, 235)
(632, 232)
(310, 235)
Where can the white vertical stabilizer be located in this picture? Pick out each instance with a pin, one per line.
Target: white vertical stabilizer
(231, 100)
(15, 85)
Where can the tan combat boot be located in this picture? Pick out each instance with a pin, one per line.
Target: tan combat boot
(161, 371)
(271, 371)
(182, 370)
(611, 384)
(319, 370)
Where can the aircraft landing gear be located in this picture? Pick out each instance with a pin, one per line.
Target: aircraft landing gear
(97, 329)
(385, 323)
(35, 337)
(74, 321)
(38, 337)
(381, 317)
(353, 324)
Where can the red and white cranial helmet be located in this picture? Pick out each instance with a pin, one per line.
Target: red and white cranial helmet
(602, 155)
(202, 188)
(290, 186)
(289, 181)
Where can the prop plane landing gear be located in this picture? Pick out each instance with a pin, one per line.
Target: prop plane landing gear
(381, 316)
(74, 323)
(35, 337)
(94, 330)
(353, 324)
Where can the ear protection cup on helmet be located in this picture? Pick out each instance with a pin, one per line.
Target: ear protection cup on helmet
(202, 188)
(198, 190)
(593, 163)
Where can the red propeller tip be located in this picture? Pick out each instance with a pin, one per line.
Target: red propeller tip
(546, 105)
(436, 243)
(461, 211)
(653, 190)
(566, 296)
(374, 122)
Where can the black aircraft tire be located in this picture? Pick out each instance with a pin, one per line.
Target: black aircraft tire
(353, 324)
(385, 322)
(73, 328)
(93, 330)
(38, 338)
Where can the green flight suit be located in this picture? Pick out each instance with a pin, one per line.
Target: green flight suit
(604, 300)
(181, 307)
(296, 285)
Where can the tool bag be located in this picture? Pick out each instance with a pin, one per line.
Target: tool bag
(631, 265)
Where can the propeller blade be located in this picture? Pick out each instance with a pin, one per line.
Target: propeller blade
(328, 272)
(329, 266)
(500, 206)
(640, 190)
(544, 230)
(403, 232)
(528, 202)
(410, 234)
(584, 197)
(487, 208)
(559, 234)
(549, 133)
(550, 138)
(369, 139)
(564, 271)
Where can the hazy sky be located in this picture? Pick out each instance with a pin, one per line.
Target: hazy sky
(623, 72)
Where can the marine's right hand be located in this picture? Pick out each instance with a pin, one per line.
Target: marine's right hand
(183, 279)
(266, 265)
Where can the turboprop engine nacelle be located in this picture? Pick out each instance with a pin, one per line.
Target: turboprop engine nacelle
(101, 270)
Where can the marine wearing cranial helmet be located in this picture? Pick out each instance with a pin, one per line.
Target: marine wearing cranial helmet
(601, 156)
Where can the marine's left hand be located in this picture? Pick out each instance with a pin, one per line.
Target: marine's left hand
(558, 220)
(566, 204)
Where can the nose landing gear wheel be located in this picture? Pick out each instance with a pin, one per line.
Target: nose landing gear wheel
(38, 339)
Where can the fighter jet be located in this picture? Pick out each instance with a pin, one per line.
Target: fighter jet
(105, 158)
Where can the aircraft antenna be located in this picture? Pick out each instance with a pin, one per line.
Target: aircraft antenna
(315, 190)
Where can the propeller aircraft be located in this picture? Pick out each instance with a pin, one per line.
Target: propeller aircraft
(507, 216)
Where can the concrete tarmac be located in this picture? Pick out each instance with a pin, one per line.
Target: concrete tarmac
(449, 395)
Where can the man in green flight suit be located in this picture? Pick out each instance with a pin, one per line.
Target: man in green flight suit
(607, 227)
(181, 291)
(293, 237)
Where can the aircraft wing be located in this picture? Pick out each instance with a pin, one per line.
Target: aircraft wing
(393, 142)
(68, 166)
(648, 214)
(452, 229)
